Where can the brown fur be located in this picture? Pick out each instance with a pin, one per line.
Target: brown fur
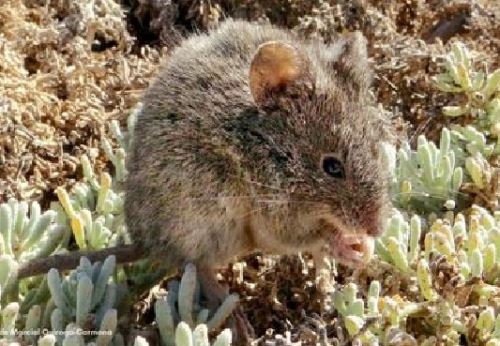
(215, 173)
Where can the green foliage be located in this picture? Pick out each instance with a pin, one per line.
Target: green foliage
(472, 246)
(183, 304)
(84, 291)
(480, 88)
(425, 178)
(26, 233)
(9, 316)
(184, 336)
(94, 207)
(352, 309)
(86, 299)
(81, 301)
(428, 176)
(94, 212)
(399, 244)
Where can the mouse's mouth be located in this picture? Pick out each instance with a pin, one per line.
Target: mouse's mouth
(351, 248)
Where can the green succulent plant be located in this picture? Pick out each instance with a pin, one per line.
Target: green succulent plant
(480, 87)
(426, 177)
(85, 299)
(183, 304)
(400, 242)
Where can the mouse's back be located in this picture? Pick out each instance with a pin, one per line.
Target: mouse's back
(210, 71)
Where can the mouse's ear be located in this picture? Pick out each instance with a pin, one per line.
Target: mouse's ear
(349, 59)
(276, 69)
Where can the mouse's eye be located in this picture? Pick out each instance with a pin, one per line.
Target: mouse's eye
(333, 167)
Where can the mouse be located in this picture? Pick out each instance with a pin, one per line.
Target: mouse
(254, 139)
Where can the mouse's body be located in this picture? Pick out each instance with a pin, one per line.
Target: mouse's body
(251, 139)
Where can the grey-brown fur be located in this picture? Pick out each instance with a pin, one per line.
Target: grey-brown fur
(213, 174)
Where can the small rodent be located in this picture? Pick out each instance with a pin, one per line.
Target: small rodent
(254, 139)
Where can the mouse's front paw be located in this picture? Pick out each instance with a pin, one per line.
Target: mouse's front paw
(353, 250)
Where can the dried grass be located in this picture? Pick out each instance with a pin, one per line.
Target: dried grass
(66, 70)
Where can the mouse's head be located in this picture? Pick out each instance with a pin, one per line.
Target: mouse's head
(317, 138)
